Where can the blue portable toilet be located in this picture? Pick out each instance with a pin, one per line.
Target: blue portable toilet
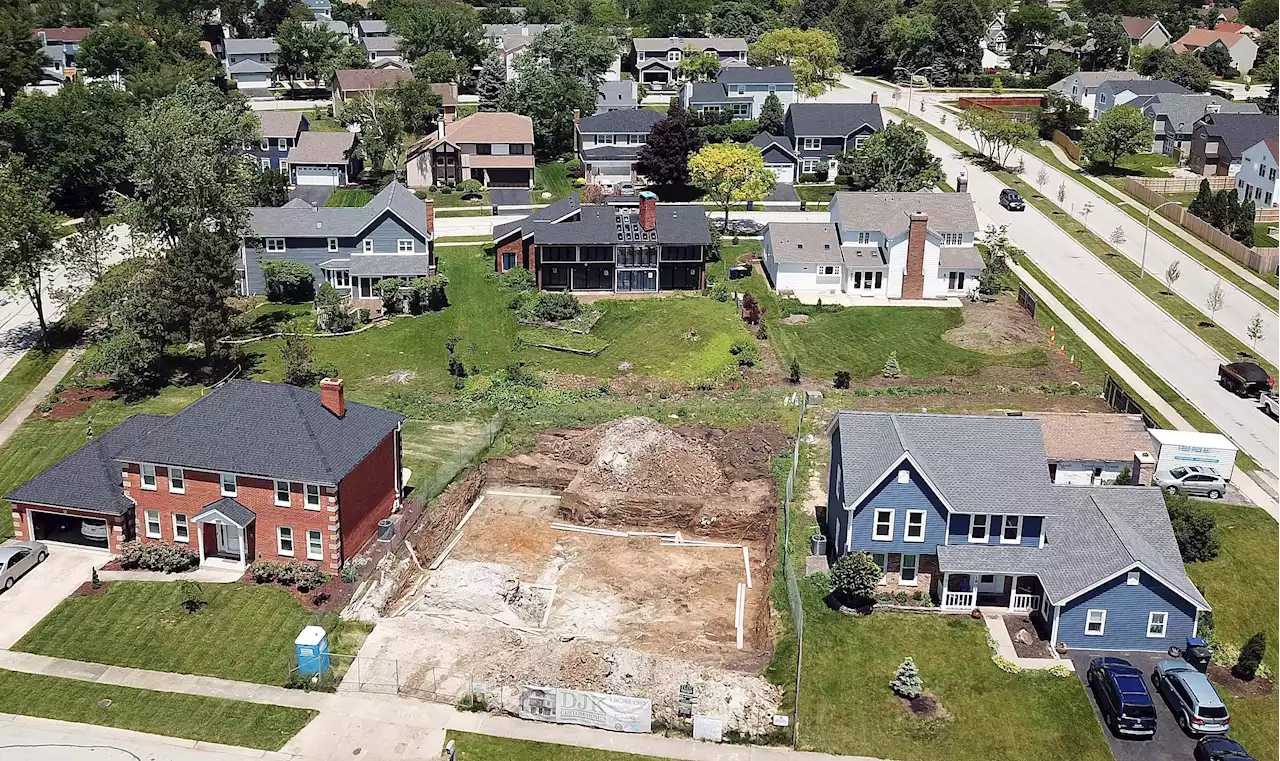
(312, 650)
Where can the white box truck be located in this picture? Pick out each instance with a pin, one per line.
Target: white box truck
(1212, 450)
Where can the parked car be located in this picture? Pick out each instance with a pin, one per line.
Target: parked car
(1122, 697)
(1196, 480)
(1012, 200)
(93, 529)
(627, 189)
(16, 558)
(1244, 379)
(1270, 404)
(1218, 748)
(1194, 703)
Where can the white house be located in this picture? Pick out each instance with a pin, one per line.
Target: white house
(877, 248)
(1256, 180)
(251, 62)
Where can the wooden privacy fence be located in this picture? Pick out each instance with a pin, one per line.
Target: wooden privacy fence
(1269, 215)
(1263, 260)
(1186, 184)
(1061, 140)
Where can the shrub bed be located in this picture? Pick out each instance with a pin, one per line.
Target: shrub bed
(292, 574)
(157, 556)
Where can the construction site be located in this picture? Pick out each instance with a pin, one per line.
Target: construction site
(632, 559)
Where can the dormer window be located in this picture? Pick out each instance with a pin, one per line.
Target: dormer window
(1011, 533)
(275, 245)
(864, 239)
(1133, 579)
(978, 529)
(952, 239)
(673, 55)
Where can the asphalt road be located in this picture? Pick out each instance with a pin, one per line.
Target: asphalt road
(1184, 361)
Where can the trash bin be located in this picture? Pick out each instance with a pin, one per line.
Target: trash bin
(312, 651)
(818, 545)
(1197, 654)
(386, 529)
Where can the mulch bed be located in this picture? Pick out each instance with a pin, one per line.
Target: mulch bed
(73, 402)
(333, 595)
(86, 589)
(112, 565)
(1037, 648)
(927, 706)
(1238, 688)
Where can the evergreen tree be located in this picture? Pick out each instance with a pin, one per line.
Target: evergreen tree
(855, 576)
(906, 682)
(1251, 656)
(771, 115)
(1202, 205)
(489, 85)
(891, 367)
(1242, 227)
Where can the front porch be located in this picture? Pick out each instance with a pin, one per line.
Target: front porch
(225, 535)
(994, 591)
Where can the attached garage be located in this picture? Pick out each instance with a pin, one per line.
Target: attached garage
(786, 173)
(509, 178)
(69, 529)
(328, 176)
(779, 157)
(253, 81)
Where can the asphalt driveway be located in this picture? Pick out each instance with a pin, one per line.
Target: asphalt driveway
(1169, 743)
(44, 586)
(316, 195)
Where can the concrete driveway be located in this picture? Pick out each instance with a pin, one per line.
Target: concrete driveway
(46, 585)
(1169, 743)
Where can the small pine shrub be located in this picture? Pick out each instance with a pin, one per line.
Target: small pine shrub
(906, 683)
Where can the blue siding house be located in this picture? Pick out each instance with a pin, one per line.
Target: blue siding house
(281, 131)
(818, 132)
(741, 90)
(351, 248)
(962, 507)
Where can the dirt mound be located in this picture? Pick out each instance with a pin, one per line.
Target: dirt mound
(642, 455)
(743, 453)
(1000, 327)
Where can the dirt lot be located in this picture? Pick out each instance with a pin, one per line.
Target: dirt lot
(518, 602)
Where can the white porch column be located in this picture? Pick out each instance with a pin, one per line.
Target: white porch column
(200, 540)
(242, 542)
(946, 586)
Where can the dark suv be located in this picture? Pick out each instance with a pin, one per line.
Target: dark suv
(1012, 200)
(1122, 697)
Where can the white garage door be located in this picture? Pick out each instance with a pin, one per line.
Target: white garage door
(310, 175)
(785, 172)
(253, 81)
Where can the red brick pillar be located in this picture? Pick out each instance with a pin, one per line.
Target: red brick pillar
(913, 277)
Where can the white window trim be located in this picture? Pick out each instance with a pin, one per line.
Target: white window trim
(222, 484)
(401, 244)
(319, 555)
(1164, 624)
(288, 490)
(884, 567)
(186, 525)
(906, 529)
(332, 246)
(147, 520)
(986, 528)
(181, 479)
(809, 166)
(275, 245)
(148, 472)
(280, 550)
(812, 144)
(282, 143)
(875, 523)
(306, 502)
(902, 563)
(366, 246)
(1102, 622)
(1017, 539)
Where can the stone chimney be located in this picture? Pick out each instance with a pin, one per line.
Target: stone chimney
(1143, 469)
(332, 397)
(648, 211)
(962, 182)
(875, 97)
(913, 277)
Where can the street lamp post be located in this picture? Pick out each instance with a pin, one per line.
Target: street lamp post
(1146, 233)
(911, 80)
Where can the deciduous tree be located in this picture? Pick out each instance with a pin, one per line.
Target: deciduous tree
(549, 100)
(1187, 70)
(893, 160)
(28, 233)
(446, 25)
(813, 55)
(572, 51)
(731, 173)
(675, 18)
(1120, 131)
(996, 137)
(439, 66)
(270, 188)
(111, 48)
(1110, 43)
(1217, 59)
(664, 159)
(20, 58)
(698, 67)
(304, 50)
(958, 25)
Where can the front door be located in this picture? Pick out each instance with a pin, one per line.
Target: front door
(228, 541)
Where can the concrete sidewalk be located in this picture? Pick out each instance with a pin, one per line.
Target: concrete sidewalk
(38, 394)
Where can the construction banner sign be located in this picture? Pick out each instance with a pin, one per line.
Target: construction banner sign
(590, 709)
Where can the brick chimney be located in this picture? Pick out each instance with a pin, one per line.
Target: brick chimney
(875, 97)
(962, 182)
(332, 397)
(431, 216)
(913, 277)
(1143, 469)
(648, 211)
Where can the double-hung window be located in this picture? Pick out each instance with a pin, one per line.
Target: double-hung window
(882, 559)
(978, 529)
(332, 246)
(915, 526)
(882, 528)
(181, 531)
(953, 239)
(284, 540)
(404, 246)
(282, 143)
(1095, 622)
(909, 570)
(177, 481)
(153, 524)
(1157, 624)
(315, 545)
(813, 143)
(742, 110)
(366, 245)
(275, 245)
(864, 239)
(1011, 533)
(148, 477)
(808, 166)
(313, 496)
(282, 493)
(228, 483)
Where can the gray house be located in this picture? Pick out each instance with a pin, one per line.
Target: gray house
(352, 248)
(658, 58)
(741, 90)
(1175, 115)
(323, 158)
(251, 62)
(779, 155)
(960, 508)
(821, 131)
(1081, 87)
(608, 143)
(1132, 92)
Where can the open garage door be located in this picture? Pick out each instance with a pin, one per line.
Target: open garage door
(310, 175)
(69, 529)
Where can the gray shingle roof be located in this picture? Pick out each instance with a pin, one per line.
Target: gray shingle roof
(708, 92)
(300, 219)
(756, 75)
(617, 94)
(658, 44)
(372, 26)
(376, 265)
(764, 141)
(280, 123)
(832, 119)
(322, 148)
(890, 213)
(960, 257)
(997, 465)
(89, 478)
(272, 430)
(538, 219)
(250, 67)
(805, 242)
(678, 224)
(230, 509)
(628, 120)
(1239, 132)
(1144, 86)
(250, 45)
(611, 153)
(390, 42)
(1188, 108)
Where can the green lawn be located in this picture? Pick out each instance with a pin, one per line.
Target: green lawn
(846, 706)
(453, 200)
(1260, 237)
(40, 443)
(349, 197)
(324, 123)
(816, 192)
(25, 375)
(472, 747)
(245, 633)
(193, 717)
(552, 177)
(1243, 586)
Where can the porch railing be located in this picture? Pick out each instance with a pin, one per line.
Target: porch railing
(960, 600)
(1024, 602)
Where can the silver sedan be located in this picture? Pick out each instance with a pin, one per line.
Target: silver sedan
(16, 558)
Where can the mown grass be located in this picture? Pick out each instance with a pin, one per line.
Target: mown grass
(25, 375)
(474, 747)
(552, 177)
(349, 197)
(193, 717)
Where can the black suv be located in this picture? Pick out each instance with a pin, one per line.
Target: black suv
(1012, 200)
(1122, 697)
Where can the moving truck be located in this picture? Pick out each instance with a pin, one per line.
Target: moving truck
(1211, 450)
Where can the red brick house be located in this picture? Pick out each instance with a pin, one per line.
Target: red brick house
(250, 471)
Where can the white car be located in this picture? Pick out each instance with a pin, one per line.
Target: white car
(93, 529)
(16, 558)
(1271, 404)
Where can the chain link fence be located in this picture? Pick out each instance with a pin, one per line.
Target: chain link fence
(386, 676)
(789, 566)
